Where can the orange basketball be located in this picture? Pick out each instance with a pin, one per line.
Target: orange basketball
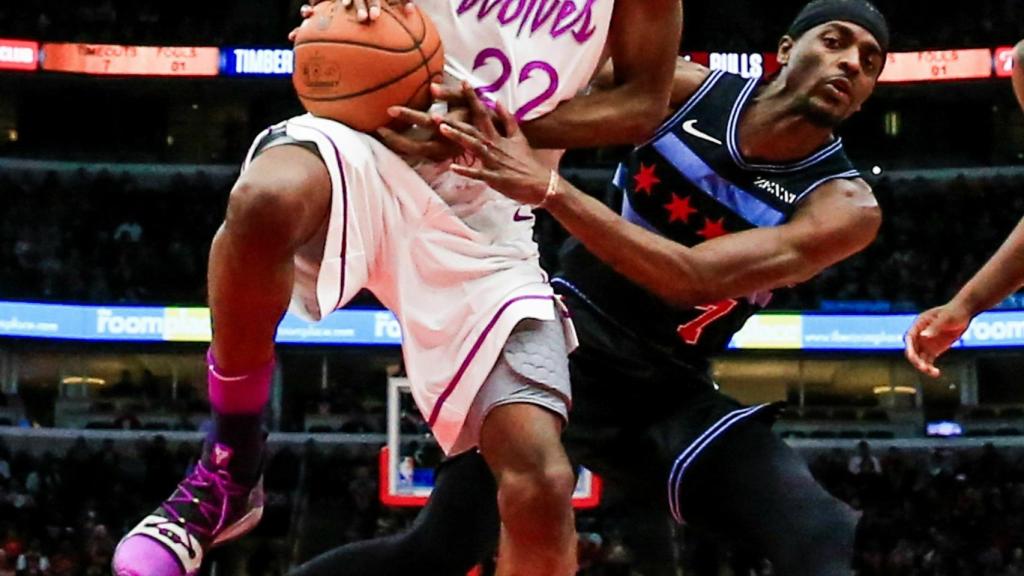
(352, 72)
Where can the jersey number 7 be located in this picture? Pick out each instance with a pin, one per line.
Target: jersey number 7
(691, 331)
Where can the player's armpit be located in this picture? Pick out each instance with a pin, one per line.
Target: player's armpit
(604, 78)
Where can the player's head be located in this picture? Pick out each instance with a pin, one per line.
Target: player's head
(832, 56)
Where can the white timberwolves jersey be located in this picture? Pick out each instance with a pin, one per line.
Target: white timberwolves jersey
(528, 54)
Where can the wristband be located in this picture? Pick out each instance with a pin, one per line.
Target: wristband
(552, 190)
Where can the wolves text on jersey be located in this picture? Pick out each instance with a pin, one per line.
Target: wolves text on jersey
(564, 16)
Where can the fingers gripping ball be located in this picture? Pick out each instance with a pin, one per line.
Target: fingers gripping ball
(353, 72)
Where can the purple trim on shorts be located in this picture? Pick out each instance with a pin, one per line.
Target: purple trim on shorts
(344, 220)
(472, 354)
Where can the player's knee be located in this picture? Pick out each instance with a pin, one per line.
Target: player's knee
(261, 210)
(543, 492)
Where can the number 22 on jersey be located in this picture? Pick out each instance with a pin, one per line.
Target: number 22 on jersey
(525, 73)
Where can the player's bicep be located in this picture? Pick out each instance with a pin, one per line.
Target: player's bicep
(644, 42)
(835, 222)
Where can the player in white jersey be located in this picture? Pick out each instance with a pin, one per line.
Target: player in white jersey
(322, 211)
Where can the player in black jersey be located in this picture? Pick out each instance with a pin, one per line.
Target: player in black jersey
(744, 189)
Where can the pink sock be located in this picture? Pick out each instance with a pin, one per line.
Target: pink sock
(238, 394)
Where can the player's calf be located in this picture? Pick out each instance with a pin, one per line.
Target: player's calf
(280, 201)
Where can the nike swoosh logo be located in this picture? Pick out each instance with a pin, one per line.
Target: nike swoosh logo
(689, 128)
(521, 217)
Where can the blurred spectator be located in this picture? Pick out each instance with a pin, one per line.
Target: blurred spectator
(32, 561)
(938, 513)
(1016, 565)
(6, 565)
(128, 231)
(864, 462)
(5, 465)
(66, 560)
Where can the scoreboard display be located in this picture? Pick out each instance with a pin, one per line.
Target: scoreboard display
(1004, 61)
(938, 65)
(18, 54)
(248, 61)
(117, 60)
(240, 61)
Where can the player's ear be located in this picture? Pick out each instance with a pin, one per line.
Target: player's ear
(786, 44)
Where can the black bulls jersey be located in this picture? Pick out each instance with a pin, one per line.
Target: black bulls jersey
(690, 184)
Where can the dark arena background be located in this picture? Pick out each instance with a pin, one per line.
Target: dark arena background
(122, 127)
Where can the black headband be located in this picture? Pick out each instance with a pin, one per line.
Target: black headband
(860, 12)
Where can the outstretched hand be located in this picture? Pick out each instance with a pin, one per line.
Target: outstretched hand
(426, 141)
(366, 10)
(505, 160)
(932, 334)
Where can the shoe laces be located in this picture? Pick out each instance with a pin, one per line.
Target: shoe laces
(210, 493)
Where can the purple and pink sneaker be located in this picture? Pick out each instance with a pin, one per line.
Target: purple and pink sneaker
(207, 509)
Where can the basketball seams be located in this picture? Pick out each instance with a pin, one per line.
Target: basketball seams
(418, 44)
(377, 47)
(399, 78)
(369, 89)
(427, 83)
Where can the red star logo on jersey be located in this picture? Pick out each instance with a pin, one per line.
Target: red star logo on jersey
(646, 179)
(679, 209)
(713, 229)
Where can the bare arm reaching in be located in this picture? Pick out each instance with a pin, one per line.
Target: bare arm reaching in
(839, 220)
(935, 330)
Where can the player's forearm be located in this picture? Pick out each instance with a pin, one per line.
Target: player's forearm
(622, 116)
(683, 277)
(1001, 276)
(647, 259)
(842, 220)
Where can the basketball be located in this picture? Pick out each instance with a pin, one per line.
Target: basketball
(353, 72)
